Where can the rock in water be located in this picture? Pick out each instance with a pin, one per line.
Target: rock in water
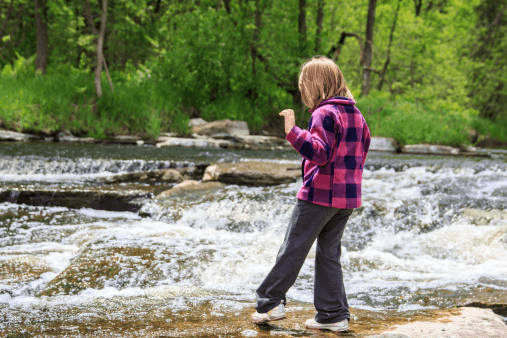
(252, 173)
(222, 127)
(189, 186)
(7, 135)
(429, 149)
(164, 175)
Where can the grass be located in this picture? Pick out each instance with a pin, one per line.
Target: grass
(142, 105)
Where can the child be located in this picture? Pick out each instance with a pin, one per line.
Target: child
(334, 150)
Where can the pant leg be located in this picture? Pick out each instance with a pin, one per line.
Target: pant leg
(329, 292)
(306, 222)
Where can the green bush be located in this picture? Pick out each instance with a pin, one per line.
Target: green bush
(411, 123)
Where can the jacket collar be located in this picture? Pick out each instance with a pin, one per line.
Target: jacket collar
(335, 100)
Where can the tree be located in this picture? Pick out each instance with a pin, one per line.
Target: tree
(320, 19)
(100, 46)
(41, 61)
(488, 85)
(302, 27)
(368, 48)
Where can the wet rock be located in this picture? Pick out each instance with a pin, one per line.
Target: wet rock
(429, 149)
(252, 173)
(193, 143)
(471, 322)
(224, 136)
(12, 136)
(190, 187)
(119, 267)
(484, 217)
(67, 136)
(164, 175)
(114, 198)
(21, 270)
(222, 126)
(383, 144)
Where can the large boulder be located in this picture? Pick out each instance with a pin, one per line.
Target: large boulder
(252, 173)
(7, 135)
(383, 144)
(222, 127)
(429, 149)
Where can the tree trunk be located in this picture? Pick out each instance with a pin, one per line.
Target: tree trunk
(253, 47)
(302, 27)
(100, 49)
(368, 48)
(320, 18)
(89, 17)
(41, 61)
(388, 58)
(418, 5)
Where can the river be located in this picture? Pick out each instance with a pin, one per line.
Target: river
(431, 234)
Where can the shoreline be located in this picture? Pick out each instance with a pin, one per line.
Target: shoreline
(245, 142)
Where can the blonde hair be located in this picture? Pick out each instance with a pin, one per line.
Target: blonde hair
(319, 79)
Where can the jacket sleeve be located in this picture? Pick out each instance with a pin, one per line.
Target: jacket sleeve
(366, 142)
(316, 143)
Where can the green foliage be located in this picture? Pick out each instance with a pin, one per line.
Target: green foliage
(411, 123)
(488, 83)
(490, 129)
(174, 60)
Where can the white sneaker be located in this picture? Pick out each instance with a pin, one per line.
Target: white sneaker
(340, 326)
(276, 314)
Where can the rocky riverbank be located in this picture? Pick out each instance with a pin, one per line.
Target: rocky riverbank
(227, 134)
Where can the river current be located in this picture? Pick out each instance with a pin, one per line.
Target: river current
(431, 233)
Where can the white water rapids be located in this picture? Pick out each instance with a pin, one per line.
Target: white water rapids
(425, 237)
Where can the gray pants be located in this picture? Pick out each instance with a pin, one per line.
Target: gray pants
(309, 222)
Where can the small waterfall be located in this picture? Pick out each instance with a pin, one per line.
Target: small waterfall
(16, 168)
(13, 196)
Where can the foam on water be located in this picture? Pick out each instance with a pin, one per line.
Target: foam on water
(405, 241)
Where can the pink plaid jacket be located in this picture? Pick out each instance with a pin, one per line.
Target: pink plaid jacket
(334, 150)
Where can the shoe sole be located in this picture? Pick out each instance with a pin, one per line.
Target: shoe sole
(272, 319)
(328, 328)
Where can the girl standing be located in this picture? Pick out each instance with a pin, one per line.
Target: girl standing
(334, 150)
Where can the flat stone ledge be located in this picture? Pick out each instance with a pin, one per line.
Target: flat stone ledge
(193, 143)
(189, 186)
(12, 136)
(254, 173)
(85, 197)
(429, 149)
(161, 176)
(469, 323)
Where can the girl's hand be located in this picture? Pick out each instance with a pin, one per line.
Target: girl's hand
(290, 119)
